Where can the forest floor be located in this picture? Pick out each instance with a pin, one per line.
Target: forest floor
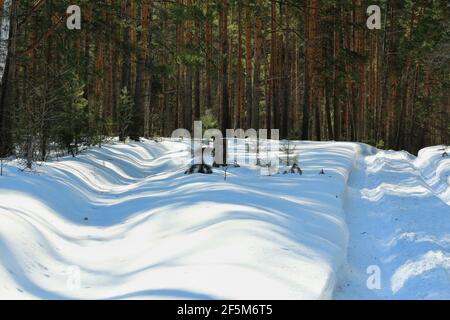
(124, 222)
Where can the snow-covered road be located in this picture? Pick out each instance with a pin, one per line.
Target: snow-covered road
(399, 228)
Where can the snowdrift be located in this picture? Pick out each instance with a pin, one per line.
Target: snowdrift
(434, 164)
(124, 222)
(399, 220)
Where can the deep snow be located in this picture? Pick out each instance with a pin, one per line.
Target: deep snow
(135, 226)
(398, 214)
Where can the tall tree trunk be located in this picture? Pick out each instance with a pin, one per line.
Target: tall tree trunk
(272, 103)
(257, 72)
(248, 64)
(142, 93)
(209, 57)
(240, 73)
(286, 76)
(224, 105)
(8, 63)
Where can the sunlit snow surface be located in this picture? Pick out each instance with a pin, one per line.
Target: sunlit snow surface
(398, 215)
(135, 226)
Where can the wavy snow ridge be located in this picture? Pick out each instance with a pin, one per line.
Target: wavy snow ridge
(435, 170)
(399, 217)
(153, 232)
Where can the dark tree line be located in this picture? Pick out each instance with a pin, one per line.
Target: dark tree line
(143, 68)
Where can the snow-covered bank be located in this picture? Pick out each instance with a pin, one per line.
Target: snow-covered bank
(435, 170)
(135, 226)
(398, 215)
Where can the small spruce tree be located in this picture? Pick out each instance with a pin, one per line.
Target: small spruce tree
(124, 113)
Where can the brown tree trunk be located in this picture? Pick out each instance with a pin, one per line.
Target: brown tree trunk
(6, 92)
(248, 64)
(257, 72)
(240, 74)
(224, 105)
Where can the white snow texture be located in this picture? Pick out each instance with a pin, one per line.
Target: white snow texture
(124, 222)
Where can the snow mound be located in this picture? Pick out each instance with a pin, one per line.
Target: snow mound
(399, 218)
(124, 222)
(434, 164)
